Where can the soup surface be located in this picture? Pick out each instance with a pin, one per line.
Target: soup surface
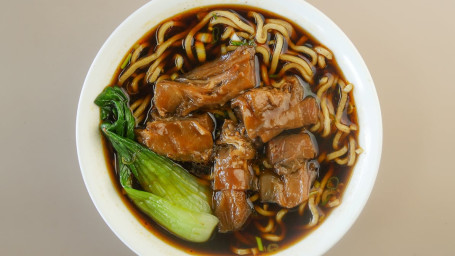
(254, 107)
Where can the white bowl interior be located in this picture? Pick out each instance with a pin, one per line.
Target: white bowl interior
(90, 151)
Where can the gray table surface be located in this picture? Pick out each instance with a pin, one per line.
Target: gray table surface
(47, 47)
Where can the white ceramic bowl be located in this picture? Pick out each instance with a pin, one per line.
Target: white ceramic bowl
(90, 151)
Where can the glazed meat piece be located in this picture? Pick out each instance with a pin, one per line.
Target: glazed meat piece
(231, 171)
(297, 186)
(286, 152)
(287, 190)
(234, 135)
(270, 187)
(208, 86)
(233, 176)
(181, 139)
(232, 209)
(266, 111)
(294, 174)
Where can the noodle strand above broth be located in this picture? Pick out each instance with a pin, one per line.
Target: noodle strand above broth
(183, 54)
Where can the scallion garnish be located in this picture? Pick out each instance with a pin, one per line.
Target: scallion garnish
(126, 61)
(216, 34)
(259, 242)
(333, 182)
(244, 42)
(327, 195)
(237, 43)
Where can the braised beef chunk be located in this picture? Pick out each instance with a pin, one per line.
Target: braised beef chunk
(297, 186)
(231, 171)
(266, 111)
(232, 209)
(287, 190)
(289, 154)
(242, 57)
(208, 86)
(270, 187)
(181, 139)
(235, 135)
(233, 176)
(286, 152)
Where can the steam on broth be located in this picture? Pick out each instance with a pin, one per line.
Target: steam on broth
(255, 109)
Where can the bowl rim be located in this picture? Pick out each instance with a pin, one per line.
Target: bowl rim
(129, 230)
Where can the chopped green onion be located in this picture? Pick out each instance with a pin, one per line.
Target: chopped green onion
(259, 242)
(243, 42)
(237, 43)
(216, 34)
(272, 247)
(126, 61)
(328, 193)
(215, 16)
(273, 75)
(333, 182)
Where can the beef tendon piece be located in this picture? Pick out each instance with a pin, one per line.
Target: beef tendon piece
(266, 111)
(208, 86)
(271, 188)
(286, 152)
(231, 171)
(181, 139)
(290, 156)
(235, 135)
(232, 209)
(287, 190)
(233, 176)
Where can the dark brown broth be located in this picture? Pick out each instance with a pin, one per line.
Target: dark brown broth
(220, 243)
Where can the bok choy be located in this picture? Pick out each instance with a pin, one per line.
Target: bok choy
(172, 197)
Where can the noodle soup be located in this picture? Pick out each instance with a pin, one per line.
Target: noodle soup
(286, 64)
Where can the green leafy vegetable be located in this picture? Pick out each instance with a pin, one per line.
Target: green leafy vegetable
(114, 105)
(173, 197)
(190, 225)
(159, 175)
